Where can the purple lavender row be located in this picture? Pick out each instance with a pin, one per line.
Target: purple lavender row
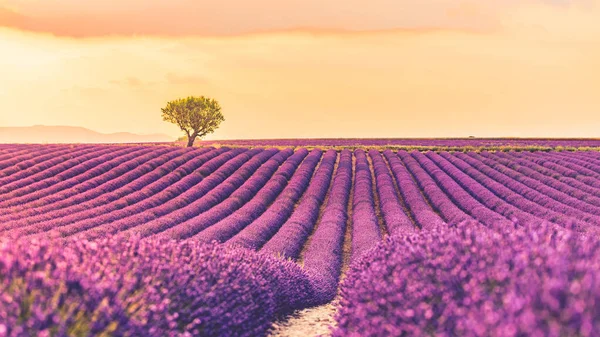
(99, 225)
(395, 218)
(63, 189)
(527, 282)
(436, 197)
(149, 210)
(38, 175)
(591, 154)
(550, 173)
(144, 188)
(109, 187)
(40, 178)
(583, 167)
(566, 188)
(140, 177)
(566, 169)
(585, 201)
(69, 178)
(462, 173)
(16, 156)
(202, 204)
(322, 259)
(551, 164)
(484, 175)
(40, 157)
(571, 166)
(75, 171)
(9, 149)
(284, 212)
(291, 236)
(588, 167)
(116, 287)
(579, 189)
(365, 232)
(590, 161)
(458, 195)
(33, 155)
(273, 170)
(182, 207)
(538, 192)
(420, 210)
(56, 164)
(590, 157)
(279, 193)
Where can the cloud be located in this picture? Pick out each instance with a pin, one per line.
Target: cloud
(9, 17)
(78, 18)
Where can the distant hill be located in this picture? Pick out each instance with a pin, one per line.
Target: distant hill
(72, 134)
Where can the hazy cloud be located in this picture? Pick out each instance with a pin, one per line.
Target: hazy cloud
(232, 17)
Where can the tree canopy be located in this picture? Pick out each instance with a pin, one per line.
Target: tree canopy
(196, 116)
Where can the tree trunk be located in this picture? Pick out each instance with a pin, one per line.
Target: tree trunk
(191, 141)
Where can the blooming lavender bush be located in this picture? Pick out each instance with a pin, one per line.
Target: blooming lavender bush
(468, 280)
(132, 287)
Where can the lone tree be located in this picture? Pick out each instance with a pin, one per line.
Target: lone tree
(196, 116)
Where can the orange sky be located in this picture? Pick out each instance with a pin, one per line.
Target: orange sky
(306, 69)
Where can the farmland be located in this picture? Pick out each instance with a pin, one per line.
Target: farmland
(221, 240)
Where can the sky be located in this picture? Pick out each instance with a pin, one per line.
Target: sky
(306, 68)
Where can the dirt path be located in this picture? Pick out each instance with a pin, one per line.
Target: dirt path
(308, 322)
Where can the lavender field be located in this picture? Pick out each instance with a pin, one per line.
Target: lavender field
(422, 143)
(137, 240)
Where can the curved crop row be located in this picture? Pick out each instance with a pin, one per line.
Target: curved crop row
(126, 178)
(567, 169)
(49, 168)
(582, 166)
(323, 256)
(226, 186)
(280, 193)
(395, 219)
(290, 237)
(438, 199)
(528, 169)
(420, 210)
(217, 169)
(33, 158)
(169, 182)
(270, 176)
(524, 166)
(464, 173)
(459, 196)
(485, 176)
(365, 226)
(12, 155)
(575, 205)
(71, 177)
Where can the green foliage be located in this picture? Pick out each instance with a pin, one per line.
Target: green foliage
(196, 116)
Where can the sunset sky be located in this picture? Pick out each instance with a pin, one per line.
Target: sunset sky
(306, 68)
